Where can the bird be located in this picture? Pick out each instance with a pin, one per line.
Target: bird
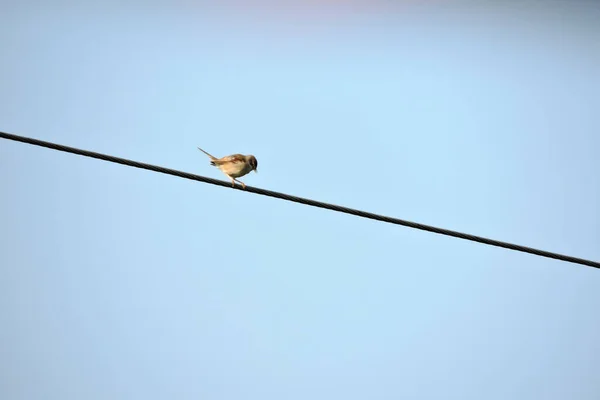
(234, 166)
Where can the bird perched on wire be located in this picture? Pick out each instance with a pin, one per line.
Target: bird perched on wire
(234, 166)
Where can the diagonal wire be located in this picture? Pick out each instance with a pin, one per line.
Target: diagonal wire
(301, 200)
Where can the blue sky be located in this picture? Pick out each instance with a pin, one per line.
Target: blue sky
(122, 283)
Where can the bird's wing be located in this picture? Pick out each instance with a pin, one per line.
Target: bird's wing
(209, 155)
(234, 158)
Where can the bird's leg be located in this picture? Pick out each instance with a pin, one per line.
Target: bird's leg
(233, 181)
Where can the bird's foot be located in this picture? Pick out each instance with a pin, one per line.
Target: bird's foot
(233, 181)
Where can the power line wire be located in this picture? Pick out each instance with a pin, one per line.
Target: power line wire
(301, 200)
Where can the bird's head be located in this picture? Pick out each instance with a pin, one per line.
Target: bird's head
(253, 163)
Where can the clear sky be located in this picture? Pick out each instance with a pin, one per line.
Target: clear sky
(118, 283)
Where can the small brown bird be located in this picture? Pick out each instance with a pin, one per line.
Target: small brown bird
(234, 166)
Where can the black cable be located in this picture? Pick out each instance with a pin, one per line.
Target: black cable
(301, 200)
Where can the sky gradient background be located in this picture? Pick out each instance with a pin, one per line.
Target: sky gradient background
(125, 284)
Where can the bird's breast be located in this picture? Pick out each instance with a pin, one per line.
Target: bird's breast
(235, 170)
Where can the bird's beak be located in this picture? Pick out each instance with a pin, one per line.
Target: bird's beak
(256, 171)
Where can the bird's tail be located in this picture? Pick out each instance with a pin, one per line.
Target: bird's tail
(209, 155)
